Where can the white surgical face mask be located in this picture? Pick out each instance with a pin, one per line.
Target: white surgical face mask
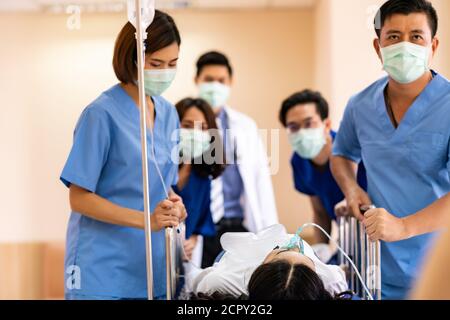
(406, 62)
(215, 93)
(193, 143)
(308, 143)
(158, 80)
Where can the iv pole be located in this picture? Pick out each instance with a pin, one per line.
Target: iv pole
(141, 16)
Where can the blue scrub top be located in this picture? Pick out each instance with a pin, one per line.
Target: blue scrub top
(319, 182)
(408, 168)
(197, 200)
(106, 159)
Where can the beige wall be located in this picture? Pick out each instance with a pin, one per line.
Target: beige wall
(345, 61)
(442, 61)
(32, 270)
(50, 75)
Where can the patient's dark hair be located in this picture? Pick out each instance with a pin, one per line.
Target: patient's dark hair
(216, 296)
(282, 280)
(279, 281)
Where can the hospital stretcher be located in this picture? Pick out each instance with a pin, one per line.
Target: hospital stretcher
(365, 254)
(174, 260)
(353, 240)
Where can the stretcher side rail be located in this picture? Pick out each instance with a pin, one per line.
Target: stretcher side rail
(366, 255)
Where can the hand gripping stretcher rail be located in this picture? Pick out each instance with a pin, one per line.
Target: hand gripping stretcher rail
(365, 254)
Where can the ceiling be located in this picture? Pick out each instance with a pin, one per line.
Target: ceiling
(120, 5)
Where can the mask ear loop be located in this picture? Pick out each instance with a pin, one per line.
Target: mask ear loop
(343, 253)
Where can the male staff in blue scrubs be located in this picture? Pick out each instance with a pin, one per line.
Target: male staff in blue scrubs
(305, 115)
(400, 128)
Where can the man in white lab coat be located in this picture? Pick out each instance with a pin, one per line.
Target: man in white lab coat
(242, 199)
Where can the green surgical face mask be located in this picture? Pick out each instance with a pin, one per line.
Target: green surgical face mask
(157, 81)
(405, 62)
(308, 143)
(215, 93)
(193, 143)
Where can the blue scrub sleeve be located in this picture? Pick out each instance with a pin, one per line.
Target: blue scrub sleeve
(89, 151)
(346, 143)
(362, 176)
(300, 186)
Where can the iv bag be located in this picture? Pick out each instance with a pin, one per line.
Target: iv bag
(148, 12)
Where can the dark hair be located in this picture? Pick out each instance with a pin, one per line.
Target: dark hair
(204, 169)
(281, 280)
(406, 7)
(161, 33)
(215, 296)
(304, 97)
(213, 58)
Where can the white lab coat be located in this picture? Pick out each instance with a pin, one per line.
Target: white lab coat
(258, 200)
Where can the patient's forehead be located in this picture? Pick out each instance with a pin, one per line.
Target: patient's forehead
(291, 256)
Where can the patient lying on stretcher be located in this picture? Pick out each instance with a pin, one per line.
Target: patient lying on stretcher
(267, 266)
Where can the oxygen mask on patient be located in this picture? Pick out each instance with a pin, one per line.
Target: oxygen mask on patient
(296, 242)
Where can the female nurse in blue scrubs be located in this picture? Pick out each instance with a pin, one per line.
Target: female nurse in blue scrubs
(105, 245)
(201, 152)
